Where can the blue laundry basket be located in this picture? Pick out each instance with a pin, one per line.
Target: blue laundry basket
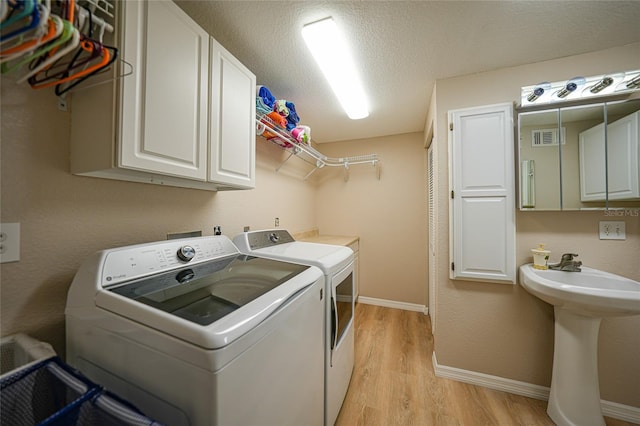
(51, 393)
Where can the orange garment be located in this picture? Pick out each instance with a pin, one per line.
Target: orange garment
(278, 119)
(274, 118)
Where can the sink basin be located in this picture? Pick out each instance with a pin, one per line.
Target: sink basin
(590, 292)
(580, 300)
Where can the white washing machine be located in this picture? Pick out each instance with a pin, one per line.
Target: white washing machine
(336, 262)
(195, 333)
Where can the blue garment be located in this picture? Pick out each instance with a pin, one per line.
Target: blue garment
(292, 112)
(261, 107)
(266, 96)
(292, 119)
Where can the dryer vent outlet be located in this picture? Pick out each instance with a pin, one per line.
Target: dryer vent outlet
(179, 235)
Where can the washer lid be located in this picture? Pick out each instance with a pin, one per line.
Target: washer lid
(329, 258)
(210, 304)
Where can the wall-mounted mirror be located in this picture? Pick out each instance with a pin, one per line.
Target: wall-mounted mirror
(580, 157)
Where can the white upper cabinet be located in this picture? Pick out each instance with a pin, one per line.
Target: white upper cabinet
(164, 108)
(181, 118)
(482, 222)
(233, 130)
(620, 179)
(593, 185)
(623, 157)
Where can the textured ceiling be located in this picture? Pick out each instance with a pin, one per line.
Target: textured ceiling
(403, 47)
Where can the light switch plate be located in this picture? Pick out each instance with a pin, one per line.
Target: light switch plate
(9, 242)
(612, 230)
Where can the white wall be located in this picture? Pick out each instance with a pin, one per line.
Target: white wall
(64, 218)
(389, 215)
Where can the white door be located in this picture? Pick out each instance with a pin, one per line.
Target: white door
(164, 105)
(482, 195)
(432, 237)
(623, 158)
(593, 186)
(233, 120)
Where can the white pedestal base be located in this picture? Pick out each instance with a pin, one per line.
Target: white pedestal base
(574, 399)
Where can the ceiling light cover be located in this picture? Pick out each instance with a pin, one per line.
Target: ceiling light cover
(330, 51)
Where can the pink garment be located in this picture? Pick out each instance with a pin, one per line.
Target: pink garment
(302, 134)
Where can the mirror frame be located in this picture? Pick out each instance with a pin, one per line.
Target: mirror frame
(527, 171)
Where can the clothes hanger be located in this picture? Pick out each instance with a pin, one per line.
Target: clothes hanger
(4, 9)
(55, 26)
(126, 73)
(37, 21)
(27, 9)
(61, 69)
(90, 23)
(66, 31)
(61, 89)
(68, 9)
(95, 50)
(45, 51)
(90, 50)
(47, 60)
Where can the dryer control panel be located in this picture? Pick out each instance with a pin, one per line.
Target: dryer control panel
(131, 262)
(255, 240)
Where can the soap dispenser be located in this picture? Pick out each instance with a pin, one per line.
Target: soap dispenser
(540, 257)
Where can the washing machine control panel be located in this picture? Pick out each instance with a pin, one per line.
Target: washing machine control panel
(127, 263)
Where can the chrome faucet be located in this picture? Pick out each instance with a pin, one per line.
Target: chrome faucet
(567, 263)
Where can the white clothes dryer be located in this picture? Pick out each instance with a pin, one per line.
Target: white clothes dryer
(195, 333)
(336, 262)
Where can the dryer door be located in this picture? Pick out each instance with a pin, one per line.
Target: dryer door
(341, 304)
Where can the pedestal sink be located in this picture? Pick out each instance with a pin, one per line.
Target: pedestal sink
(580, 301)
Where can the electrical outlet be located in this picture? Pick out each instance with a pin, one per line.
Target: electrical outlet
(612, 230)
(9, 242)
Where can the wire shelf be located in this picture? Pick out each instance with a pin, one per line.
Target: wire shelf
(266, 128)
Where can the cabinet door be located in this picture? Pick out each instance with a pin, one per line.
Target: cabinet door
(622, 158)
(482, 205)
(232, 120)
(164, 105)
(592, 165)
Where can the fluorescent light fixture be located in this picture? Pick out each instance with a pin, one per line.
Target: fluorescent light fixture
(330, 51)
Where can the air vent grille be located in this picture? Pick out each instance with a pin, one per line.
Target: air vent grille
(546, 137)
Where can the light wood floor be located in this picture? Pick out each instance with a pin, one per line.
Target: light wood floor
(393, 382)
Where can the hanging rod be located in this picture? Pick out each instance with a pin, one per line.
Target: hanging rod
(284, 140)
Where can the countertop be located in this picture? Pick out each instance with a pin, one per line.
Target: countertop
(315, 237)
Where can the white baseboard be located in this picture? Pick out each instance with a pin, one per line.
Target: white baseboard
(610, 409)
(393, 304)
